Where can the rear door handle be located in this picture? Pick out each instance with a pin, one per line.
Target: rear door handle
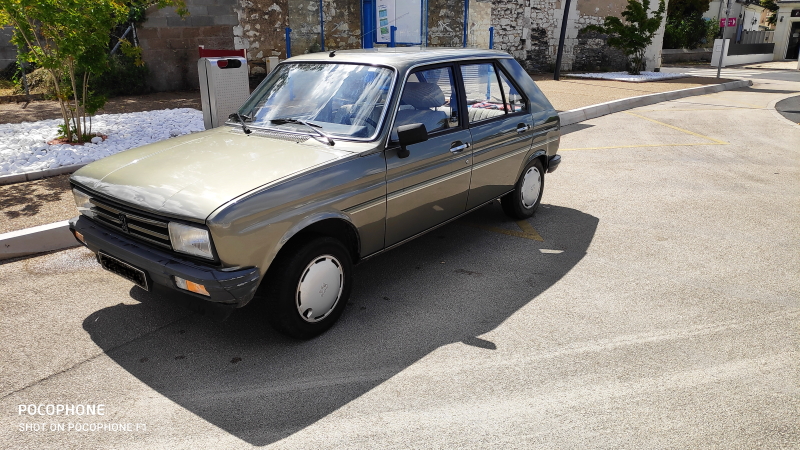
(456, 148)
(521, 128)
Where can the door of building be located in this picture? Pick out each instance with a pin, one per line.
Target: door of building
(794, 41)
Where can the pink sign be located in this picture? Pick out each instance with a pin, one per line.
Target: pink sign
(731, 22)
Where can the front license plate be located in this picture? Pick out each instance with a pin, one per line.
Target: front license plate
(123, 269)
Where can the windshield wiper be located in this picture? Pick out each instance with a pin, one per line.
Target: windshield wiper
(315, 127)
(241, 120)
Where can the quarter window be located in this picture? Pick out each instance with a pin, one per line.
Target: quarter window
(489, 93)
(429, 98)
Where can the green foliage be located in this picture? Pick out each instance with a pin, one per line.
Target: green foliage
(70, 39)
(689, 32)
(772, 7)
(633, 36)
(685, 8)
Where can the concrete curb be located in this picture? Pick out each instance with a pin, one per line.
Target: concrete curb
(590, 112)
(30, 176)
(56, 236)
(44, 238)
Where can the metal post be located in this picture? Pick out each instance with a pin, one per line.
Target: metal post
(392, 30)
(491, 38)
(722, 51)
(321, 27)
(466, 22)
(288, 42)
(557, 73)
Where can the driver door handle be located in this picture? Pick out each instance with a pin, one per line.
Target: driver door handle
(456, 148)
(521, 128)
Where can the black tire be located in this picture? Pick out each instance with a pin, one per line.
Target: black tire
(283, 289)
(514, 204)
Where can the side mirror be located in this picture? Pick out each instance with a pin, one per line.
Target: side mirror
(410, 134)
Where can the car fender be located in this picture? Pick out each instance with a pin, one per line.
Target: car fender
(306, 222)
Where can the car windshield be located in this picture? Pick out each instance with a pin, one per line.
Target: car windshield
(344, 100)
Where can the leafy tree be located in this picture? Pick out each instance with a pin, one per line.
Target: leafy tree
(633, 36)
(686, 8)
(772, 7)
(686, 27)
(69, 39)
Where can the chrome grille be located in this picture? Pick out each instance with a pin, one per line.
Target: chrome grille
(132, 223)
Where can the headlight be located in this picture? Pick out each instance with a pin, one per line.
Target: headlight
(190, 240)
(82, 201)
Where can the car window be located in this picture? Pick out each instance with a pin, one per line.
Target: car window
(484, 96)
(344, 100)
(429, 98)
(515, 102)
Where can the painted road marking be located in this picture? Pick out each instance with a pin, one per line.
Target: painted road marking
(528, 232)
(713, 141)
(676, 128)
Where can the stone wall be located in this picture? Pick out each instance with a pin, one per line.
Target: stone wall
(169, 43)
(260, 30)
(530, 31)
(480, 19)
(445, 23)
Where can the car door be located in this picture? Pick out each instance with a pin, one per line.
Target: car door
(430, 184)
(501, 128)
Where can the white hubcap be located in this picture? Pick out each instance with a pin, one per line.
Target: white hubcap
(531, 185)
(319, 288)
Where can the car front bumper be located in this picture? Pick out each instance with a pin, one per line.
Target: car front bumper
(234, 288)
(553, 162)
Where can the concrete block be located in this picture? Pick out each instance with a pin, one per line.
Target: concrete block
(154, 23)
(222, 10)
(673, 95)
(178, 22)
(44, 238)
(621, 105)
(572, 116)
(596, 111)
(226, 20)
(11, 179)
(202, 21)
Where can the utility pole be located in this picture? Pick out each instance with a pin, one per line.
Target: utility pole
(557, 73)
(722, 51)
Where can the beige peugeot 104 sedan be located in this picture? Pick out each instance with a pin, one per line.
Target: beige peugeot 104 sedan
(335, 157)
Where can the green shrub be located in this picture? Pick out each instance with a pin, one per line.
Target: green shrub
(689, 31)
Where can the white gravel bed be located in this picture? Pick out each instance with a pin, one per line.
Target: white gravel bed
(24, 148)
(625, 76)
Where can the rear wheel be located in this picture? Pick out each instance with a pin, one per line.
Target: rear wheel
(522, 202)
(309, 287)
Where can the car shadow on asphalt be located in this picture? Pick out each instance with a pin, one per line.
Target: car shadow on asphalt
(448, 287)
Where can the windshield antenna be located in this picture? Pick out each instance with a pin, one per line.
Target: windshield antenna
(332, 53)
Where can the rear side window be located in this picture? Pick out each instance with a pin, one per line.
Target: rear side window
(489, 92)
(515, 102)
(429, 97)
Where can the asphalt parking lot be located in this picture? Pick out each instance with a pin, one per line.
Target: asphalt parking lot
(652, 302)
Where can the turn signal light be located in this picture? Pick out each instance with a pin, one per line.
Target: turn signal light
(79, 237)
(191, 286)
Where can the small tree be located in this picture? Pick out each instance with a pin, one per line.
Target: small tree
(69, 39)
(635, 35)
(772, 7)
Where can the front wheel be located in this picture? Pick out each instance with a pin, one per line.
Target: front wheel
(309, 288)
(522, 202)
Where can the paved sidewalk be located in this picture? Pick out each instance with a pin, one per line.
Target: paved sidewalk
(40, 202)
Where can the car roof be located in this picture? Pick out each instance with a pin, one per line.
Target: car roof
(399, 57)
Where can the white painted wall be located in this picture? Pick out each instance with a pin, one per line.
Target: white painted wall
(737, 59)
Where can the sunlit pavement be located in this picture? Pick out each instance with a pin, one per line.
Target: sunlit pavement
(660, 309)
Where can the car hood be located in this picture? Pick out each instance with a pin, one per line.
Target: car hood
(191, 176)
